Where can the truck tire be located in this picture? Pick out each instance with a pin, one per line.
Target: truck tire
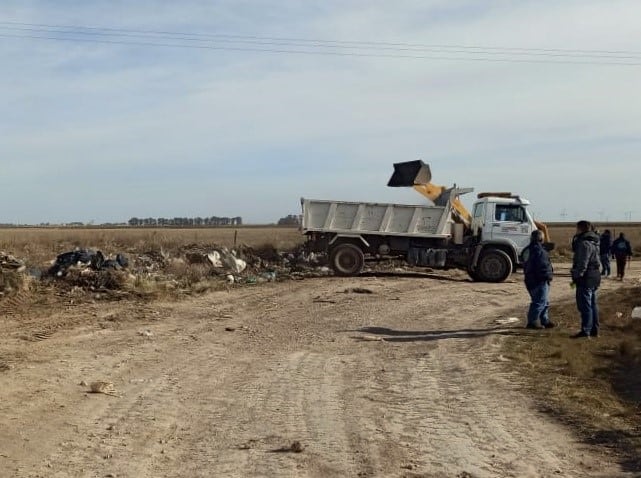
(493, 266)
(347, 260)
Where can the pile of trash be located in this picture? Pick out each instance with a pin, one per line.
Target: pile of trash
(189, 268)
(223, 259)
(251, 266)
(9, 262)
(12, 277)
(88, 268)
(87, 259)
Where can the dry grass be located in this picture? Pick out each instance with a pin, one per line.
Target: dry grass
(38, 245)
(42, 244)
(562, 236)
(593, 384)
(158, 257)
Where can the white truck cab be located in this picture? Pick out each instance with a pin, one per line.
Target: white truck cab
(503, 220)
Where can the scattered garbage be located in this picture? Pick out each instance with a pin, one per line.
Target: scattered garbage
(636, 313)
(146, 333)
(214, 259)
(269, 276)
(105, 388)
(8, 262)
(86, 259)
(193, 268)
(507, 320)
(12, 274)
(152, 261)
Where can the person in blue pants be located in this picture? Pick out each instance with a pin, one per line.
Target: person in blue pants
(538, 276)
(622, 251)
(605, 248)
(586, 277)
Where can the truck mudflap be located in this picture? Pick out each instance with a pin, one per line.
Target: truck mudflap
(475, 258)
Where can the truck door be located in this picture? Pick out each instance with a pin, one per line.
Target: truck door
(478, 219)
(511, 224)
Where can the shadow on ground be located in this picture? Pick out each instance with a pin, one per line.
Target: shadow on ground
(391, 335)
(414, 275)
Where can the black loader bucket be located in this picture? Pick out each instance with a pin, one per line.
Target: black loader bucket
(410, 173)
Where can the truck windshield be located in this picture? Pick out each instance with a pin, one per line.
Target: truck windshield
(510, 213)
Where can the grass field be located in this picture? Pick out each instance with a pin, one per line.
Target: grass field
(562, 235)
(40, 244)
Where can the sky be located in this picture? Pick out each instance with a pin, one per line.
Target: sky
(95, 131)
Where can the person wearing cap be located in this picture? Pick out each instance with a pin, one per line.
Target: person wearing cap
(538, 276)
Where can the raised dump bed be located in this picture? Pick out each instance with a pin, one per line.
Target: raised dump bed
(342, 217)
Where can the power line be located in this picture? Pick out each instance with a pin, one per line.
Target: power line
(301, 44)
(325, 41)
(316, 51)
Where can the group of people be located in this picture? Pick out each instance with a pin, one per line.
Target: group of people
(620, 249)
(591, 261)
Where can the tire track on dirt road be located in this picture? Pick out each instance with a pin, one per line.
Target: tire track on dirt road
(431, 399)
(432, 402)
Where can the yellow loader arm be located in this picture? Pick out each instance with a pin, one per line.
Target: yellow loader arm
(544, 229)
(434, 193)
(418, 175)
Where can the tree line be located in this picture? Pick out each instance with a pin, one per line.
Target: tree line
(186, 221)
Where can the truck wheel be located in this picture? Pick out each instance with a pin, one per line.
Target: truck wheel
(347, 260)
(494, 266)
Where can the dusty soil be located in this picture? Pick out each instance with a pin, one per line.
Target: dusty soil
(297, 378)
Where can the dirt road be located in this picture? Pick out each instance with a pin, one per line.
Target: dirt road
(300, 361)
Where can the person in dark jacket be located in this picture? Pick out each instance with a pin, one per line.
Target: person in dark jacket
(586, 277)
(538, 275)
(605, 249)
(622, 252)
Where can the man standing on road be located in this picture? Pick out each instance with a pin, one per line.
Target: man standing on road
(622, 252)
(605, 250)
(586, 277)
(538, 275)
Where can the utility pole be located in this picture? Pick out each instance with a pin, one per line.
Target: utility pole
(564, 215)
(601, 214)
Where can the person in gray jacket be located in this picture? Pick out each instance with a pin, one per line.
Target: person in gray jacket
(586, 277)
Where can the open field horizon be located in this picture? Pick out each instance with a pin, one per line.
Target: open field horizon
(37, 244)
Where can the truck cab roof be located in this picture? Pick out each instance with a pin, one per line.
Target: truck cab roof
(502, 199)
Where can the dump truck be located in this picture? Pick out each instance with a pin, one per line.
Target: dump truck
(488, 242)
